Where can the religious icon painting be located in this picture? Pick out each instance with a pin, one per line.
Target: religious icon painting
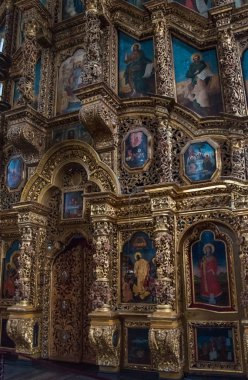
(73, 205)
(10, 270)
(2, 37)
(137, 3)
(71, 132)
(199, 6)
(200, 160)
(138, 350)
(244, 62)
(197, 79)
(216, 346)
(137, 149)
(240, 3)
(139, 270)
(71, 8)
(16, 94)
(136, 67)
(69, 80)
(15, 173)
(209, 272)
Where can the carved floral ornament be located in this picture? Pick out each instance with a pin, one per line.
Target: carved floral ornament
(47, 171)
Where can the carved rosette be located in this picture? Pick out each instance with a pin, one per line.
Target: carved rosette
(22, 332)
(238, 160)
(230, 66)
(165, 151)
(164, 61)
(165, 259)
(103, 243)
(29, 60)
(105, 340)
(92, 71)
(244, 270)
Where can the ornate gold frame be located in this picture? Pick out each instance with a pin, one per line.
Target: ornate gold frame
(213, 366)
(216, 148)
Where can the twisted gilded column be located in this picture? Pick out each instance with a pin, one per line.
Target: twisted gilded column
(165, 260)
(238, 159)
(92, 71)
(9, 19)
(163, 53)
(101, 289)
(165, 150)
(30, 52)
(229, 60)
(24, 323)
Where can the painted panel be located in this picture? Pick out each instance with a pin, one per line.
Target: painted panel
(210, 273)
(139, 270)
(199, 6)
(77, 131)
(215, 344)
(15, 172)
(137, 3)
(200, 161)
(136, 149)
(240, 3)
(10, 268)
(73, 205)
(2, 37)
(245, 71)
(69, 79)
(197, 79)
(138, 346)
(71, 8)
(37, 78)
(136, 67)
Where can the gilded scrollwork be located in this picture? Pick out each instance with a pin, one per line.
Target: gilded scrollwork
(21, 331)
(166, 347)
(106, 343)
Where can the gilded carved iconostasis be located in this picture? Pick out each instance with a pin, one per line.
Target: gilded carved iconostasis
(124, 168)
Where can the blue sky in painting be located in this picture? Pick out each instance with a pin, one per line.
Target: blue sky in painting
(182, 58)
(125, 45)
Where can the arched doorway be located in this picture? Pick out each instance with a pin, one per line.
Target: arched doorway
(67, 302)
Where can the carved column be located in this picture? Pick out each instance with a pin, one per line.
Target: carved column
(166, 342)
(165, 150)
(9, 18)
(165, 252)
(29, 59)
(238, 159)
(92, 72)
(229, 60)
(163, 52)
(24, 324)
(101, 292)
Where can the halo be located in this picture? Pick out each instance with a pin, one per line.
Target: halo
(137, 254)
(15, 253)
(208, 245)
(196, 55)
(136, 43)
